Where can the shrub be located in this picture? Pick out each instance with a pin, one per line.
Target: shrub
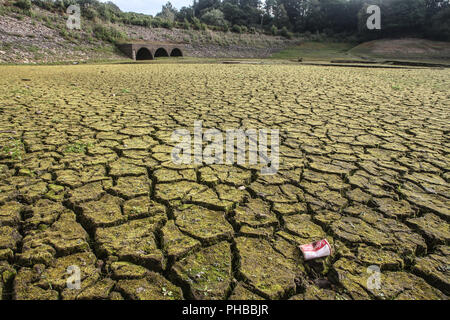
(197, 23)
(89, 14)
(108, 34)
(284, 32)
(187, 24)
(214, 17)
(236, 29)
(274, 30)
(23, 4)
(167, 24)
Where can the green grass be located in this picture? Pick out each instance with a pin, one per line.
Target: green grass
(13, 149)
(316, 51)
(77, 148)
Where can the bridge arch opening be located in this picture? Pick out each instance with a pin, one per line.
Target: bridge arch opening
(144, 54)
(176, 53)
(161, 52)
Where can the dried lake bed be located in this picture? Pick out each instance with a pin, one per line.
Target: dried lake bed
(87, 180)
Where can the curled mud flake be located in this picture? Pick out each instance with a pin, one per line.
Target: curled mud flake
(55, 192)
(45, 283)
(357, 195)
(206, 225)
(302, 226)
(175, 243)
(152, 287)
(178, 190)
(314, 292)
(287, 209)
(123, 167)
(434, 202)
(142, 207)
(435, 269)
(26, 289)
(132, 187)
(127, 270)
(102, 213)
(100, 290)
(268, 272)
(333, 181)
(43, 212)
(10, 214)
(133, 241)
(257, 232)
(406, 286)
(352, 277)
(207, 272)
(191, 192)
(434, 229)
(64, 236)
(138, 143)
(137, 131)
(358, 231)
(326, 217)
(88, 192)
(9, 238)
(33, 192)
(231, 194)
(240, 292)
(386, 260)
(255, 213)
(394, 208)
(166, 175)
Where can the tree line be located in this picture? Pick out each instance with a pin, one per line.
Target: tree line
(334, 18)
(428, 18)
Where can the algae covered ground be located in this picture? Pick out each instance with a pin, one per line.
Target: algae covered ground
(86, 180)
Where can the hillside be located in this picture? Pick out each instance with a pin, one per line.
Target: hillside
(38, 35)
(408, 48)
(42, 36)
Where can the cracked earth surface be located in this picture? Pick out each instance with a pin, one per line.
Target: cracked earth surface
(86, 179)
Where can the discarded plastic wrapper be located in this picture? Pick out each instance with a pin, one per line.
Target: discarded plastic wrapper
(316, 250)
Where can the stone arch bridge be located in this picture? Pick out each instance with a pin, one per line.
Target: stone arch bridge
(150, 51)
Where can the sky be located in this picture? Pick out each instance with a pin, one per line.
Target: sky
(148, 6)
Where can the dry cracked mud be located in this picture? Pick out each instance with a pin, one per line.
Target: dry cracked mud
(86, 179)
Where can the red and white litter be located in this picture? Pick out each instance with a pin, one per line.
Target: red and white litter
(315, 250)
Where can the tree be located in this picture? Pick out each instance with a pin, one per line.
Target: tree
(168, 12)
(214, 17)
(281, 17)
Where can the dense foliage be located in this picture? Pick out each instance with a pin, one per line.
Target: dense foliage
(426, 18)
